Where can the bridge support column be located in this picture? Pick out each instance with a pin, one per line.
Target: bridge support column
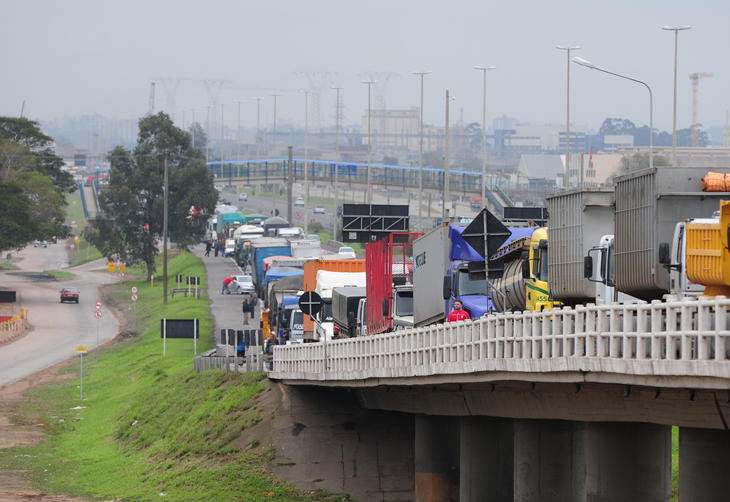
(628, 461)
(486, 459)
(562, 461)
(545, 467)
(437, 458)
(704, 465)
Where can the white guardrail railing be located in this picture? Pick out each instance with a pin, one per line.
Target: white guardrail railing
(675, 338)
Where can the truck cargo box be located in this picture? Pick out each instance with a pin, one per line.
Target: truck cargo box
(263, 248)
(344, 307)
(310, 279)
(649, 203)
(577, 221)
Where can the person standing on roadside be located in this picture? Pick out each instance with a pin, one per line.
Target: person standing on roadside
(252, 302)
(246, 308)
(458, 314)
(208, 247)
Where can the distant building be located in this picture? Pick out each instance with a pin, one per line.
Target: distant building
(539, 170)
(612, 142)
(393, 128)
(578, 141)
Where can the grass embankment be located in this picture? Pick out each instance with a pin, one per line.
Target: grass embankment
(60, 274)
(83, 251)
(152, 425)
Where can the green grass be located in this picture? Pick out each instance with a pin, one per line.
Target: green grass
(60, 274)
(675, 463)
(151, 424)
(6, 265)
(83, 251)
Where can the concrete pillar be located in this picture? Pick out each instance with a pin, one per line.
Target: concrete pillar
(486, 459)
(562, 461)
(545, 467)
(704, 465)
(627, 461)
(437, 458)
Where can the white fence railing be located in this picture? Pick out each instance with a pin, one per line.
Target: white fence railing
(674, 338)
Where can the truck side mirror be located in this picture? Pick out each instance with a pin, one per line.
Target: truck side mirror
(587, 267)
(447, 288)
(525, 268)
(665, 257)
(385, 308)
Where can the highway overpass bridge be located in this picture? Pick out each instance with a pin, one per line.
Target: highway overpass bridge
(574, 404)
(405, 178)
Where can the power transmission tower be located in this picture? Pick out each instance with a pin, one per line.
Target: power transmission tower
(317, 81)
(171, 85)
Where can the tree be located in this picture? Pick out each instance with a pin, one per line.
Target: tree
(200, 139)
(32, 184)
(131, 221)
(27, 134)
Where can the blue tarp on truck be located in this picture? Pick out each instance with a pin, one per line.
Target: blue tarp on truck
(275, 273)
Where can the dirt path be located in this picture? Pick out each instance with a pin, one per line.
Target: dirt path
(14, 485)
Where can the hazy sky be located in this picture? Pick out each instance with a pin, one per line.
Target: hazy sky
(75, 57)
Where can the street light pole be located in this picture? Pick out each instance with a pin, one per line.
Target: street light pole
(590, 65)
(420, 143)
(676, 30)
(484, 69)
(338, 119)
(447, 170)
(568, 49)
(306, 158)
(368, 189)
(258, 127)
(273, 140)
(164, 230)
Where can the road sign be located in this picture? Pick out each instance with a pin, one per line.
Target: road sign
(98, 305)
(485, 233)
(134, 290)
(310, 303)
(81, 348)
(135, 298)
(110, 266)
(77, 240)
(122, 267)
(97, 314)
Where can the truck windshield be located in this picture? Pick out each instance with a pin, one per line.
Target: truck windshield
(326, 313)
(543, 265)
(404, 303)
(467, 287)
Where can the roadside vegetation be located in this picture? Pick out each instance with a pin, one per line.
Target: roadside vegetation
(149, 427)
(60, 274)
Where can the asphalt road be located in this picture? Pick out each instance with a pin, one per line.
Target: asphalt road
(56, 328)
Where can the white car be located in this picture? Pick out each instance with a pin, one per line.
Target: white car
(299, 201)
(347, 251)
(245, 284)
(318, 210)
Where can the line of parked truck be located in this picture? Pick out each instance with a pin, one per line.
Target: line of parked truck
(655, 232)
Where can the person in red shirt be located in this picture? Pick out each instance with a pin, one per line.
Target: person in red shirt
(226, 285)
(458, 314)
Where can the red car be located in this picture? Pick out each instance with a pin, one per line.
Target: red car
(69, 295)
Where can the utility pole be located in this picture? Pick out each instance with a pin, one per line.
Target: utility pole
(164, 232)
(447, 195)
(338, 123)
(192, 128)
(289, 184)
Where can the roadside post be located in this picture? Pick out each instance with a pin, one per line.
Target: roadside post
(81, 349)
(134, 298)
(97, 314)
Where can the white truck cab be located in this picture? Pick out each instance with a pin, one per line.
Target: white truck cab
(598, 267)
